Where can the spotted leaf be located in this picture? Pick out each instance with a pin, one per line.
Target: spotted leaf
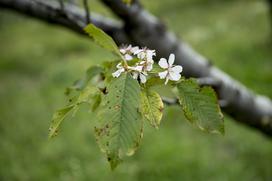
(119, 127)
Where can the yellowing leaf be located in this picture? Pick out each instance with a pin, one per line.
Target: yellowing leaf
(152, 107)
(200, 106)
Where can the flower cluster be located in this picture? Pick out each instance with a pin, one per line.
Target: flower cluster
(144, 64)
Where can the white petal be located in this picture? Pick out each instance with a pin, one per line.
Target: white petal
(163, 63)
(137, 68)
(144, 73)
(128, 57)
(163, 74)
(141, 55)
(142, 78)
(149, 67)
(118, 72)
(138, 51)
(150, 61)
(129, 47)
(122, 50)
(149, 58)
(150, 54)
(134, 49)
(135, 75)
(174, 76)
(177, 69)
(121, 70)
(171, 59)
(119, 66)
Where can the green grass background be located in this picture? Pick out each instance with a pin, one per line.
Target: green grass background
(38, 61)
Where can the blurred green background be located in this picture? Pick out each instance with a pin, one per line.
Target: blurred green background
(38, 61)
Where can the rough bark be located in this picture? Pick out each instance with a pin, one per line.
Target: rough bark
(142, 28)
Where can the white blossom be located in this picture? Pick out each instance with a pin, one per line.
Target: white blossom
(128, 52)
(140, 53)
(134, 49)
(128, 57)
(149, 55)
(124, 50)
(145, 54)
(171, 72)
(145, 64)
(120, 69)
(138, 72)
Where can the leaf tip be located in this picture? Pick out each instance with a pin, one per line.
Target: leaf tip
(114, 161)
(52, 133)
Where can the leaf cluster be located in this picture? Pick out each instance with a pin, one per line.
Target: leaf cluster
(123, 104)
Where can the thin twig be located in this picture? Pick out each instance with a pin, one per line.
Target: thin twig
(86, 7)
(61, 5)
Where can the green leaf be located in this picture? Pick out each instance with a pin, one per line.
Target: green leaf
(86, 94)
(102, 39)
(58, 117)
(154, 81)
(200, 106)
(84, 97)
(82, 83)
(152, 107)
(119, 128)
(97, 98)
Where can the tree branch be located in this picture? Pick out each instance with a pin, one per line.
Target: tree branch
(74, 17)
(239, 102)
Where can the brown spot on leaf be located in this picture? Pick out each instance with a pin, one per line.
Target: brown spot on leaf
(137, 144)
(98, 131)
(104, 90)
(116, 107)
(161, 109)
